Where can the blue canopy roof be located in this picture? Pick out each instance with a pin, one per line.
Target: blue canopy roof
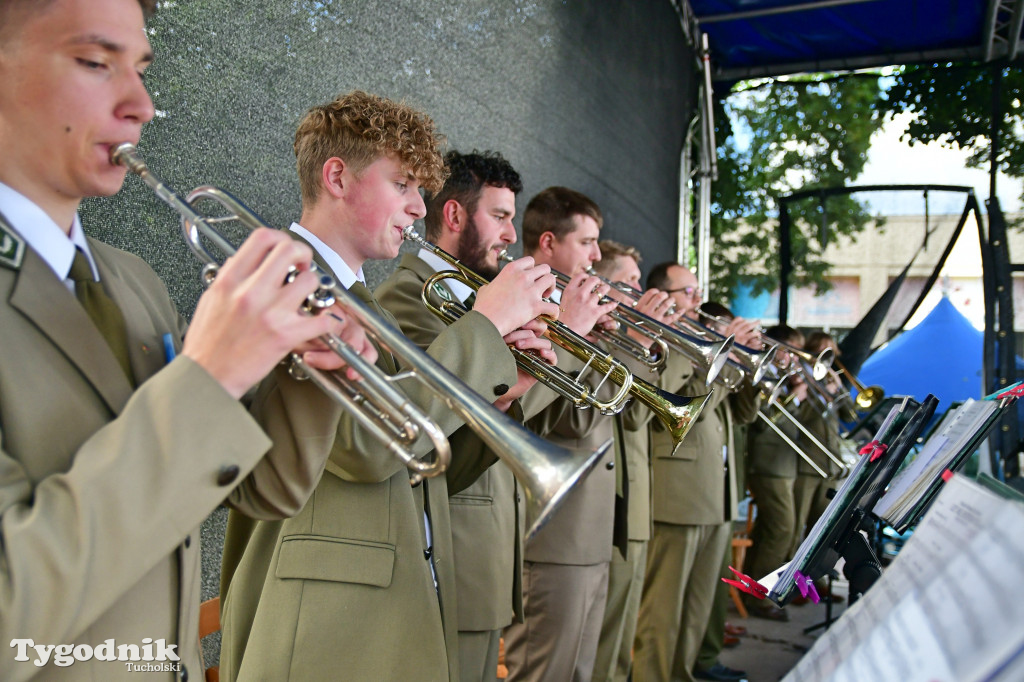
(752, 38)
(942, 355)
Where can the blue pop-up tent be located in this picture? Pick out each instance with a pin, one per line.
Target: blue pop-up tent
(941, 355)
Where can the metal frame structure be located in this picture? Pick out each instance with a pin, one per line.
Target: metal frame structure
(1000, 39)
(999, 357)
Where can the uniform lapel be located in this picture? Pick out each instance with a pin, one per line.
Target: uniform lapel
(47, 303)
(145, 343)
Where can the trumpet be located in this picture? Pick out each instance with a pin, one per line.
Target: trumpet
(750, 362)
(820, 364)
(710, 354)
(677, 413)
(546, 471)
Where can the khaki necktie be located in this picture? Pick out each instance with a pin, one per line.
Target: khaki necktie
(102, 310)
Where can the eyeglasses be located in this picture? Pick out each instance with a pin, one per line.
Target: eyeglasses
(689, 292)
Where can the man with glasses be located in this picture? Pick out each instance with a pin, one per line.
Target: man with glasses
(693, 492)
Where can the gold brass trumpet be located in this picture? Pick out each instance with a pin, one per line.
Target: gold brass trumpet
(547, 472)
(677, 413)
(709, 354)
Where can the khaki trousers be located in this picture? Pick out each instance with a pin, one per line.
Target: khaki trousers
(562, 610)
(683, 565)
(809, 501)
(478, 655)
(775, 525)
(625, 585)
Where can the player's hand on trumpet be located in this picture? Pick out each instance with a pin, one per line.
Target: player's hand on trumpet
(658, 305)
(581, 307)
(517, 295)
(528, 338)
(251, 317)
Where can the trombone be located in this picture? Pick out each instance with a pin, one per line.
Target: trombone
(711, 354)
(546, 471)
(772, 390)
(677, 413)
(867, 396)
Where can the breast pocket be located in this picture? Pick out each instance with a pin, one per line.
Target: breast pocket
(313, 557)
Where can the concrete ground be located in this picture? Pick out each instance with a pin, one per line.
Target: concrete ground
(770, 649)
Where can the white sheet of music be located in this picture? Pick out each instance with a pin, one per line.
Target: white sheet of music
(947, 609)
(955, 432)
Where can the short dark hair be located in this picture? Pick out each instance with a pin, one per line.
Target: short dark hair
(552, 211)
(657, 278)
(716, 309)
(468, 174)
(815, 339)
(786, 334)
(8, 7)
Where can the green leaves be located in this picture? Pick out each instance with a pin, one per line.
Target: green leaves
(775, 139)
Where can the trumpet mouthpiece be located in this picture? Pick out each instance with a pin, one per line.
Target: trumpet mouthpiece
(125, 154)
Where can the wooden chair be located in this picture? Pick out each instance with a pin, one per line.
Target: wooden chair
(502, 669)
(740, 542)
(209, 623)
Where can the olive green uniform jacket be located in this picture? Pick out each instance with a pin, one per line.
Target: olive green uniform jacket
(102, 487)
(486, 535)
(344, 589)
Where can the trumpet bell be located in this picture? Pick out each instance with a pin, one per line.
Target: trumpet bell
(677, 413)
(870, 396)
(716, 356)
(547, 473)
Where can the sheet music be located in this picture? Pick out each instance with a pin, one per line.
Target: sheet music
(910, 485)
(947, 608)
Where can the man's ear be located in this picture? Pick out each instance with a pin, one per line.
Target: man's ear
(546, 243)
(455, 216)
(333, 176)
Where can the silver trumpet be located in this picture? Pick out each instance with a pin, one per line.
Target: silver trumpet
(547, 472)
(749, 362)
(677, 413)
(710, 354)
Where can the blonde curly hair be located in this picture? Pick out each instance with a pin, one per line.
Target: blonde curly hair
(359, 128)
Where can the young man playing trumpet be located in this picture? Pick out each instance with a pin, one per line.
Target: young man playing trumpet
(113, 450)
(565, 571)
(471, 219)
(360, 584)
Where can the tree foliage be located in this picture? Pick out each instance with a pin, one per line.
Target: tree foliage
(775, 139)
(952, 104)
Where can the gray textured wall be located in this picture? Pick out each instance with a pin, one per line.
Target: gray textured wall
(592, 95)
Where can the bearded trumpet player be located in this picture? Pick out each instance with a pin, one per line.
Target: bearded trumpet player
(471, 219)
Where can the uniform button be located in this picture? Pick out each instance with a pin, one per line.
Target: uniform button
(227, 474)
(501, 389)
(188, 541)
(609, 466)
(184, 673)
